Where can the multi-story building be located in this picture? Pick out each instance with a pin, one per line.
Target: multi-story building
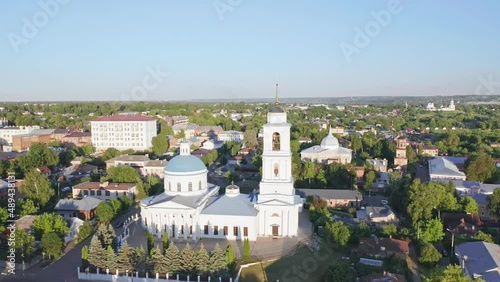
(7, 132)
(177, 120)
(231, 135)
(78, 138)
(22, 142)
(104, 190)
(123, 132)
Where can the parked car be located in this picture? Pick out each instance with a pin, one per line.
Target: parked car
(384, 202)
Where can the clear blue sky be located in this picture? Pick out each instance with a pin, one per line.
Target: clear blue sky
(99, 50)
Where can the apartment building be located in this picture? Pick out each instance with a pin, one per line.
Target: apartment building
(123, 132)
(7, 132)
(22, 142)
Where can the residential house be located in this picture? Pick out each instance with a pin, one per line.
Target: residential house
(44, 170)
(142, 163)
(104, 190)
(154, 168)
(4, 190)
(383, 247)
(8, 156)
(83, 208)
(377, 215)
(78, 171)
(479, 260)
(306, 140)
(171, 121)
(212, 144)
(231, 135)
(378, 164)
(25, 223)
(334, 197)
(428, 150)
(462, 224)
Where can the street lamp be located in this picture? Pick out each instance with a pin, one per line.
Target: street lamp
(452, 239)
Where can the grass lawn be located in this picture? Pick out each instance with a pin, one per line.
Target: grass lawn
(311, 267)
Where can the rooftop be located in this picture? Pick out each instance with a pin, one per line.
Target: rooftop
(441, 167)
(129, 158)
(104, 186)
(123, 118)
(332, 194)
(482, 258)
(84, 204)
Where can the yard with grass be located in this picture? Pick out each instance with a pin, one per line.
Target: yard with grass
(303, 264)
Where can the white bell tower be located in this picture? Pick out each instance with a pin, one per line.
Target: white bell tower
(277, 203)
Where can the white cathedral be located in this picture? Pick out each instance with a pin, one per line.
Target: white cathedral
(191, 208)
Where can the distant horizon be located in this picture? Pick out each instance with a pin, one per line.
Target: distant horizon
(180, 50)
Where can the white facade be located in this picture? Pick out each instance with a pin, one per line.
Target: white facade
(7, 132)
(123, 132)
(327, 152)
(190, 207)
(231, 135)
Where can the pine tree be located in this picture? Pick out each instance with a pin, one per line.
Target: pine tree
(217, 261)
(230, 256)
(246, 249)
(97, 254)
(202, 261)
(165, 242)
(110, 258)
(151, 242)
(188, 264)
(172, 255)
(106, 234)
(85, 256)
(140, 260)
(160, 262)
(123, 259)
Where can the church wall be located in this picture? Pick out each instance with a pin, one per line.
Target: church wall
(251, 222)
(184, 180)
(286, 217)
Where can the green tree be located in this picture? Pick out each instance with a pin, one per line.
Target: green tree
(160, 145)
(150, 242)
(37, 187)
(38, 155)
(110, 258)
(389, 229)
(338, 232)
(123, 174)
(50, 223)
(85, 256)
(104, 212)
(124, 258)
(4, 214)
(480, 167)
(172, 255)
(494, 202)
(340, 272)
(218, 262)
(309, 172)
(429, 254)
(469, 205)
(110, 153)
(165, 242)
(97, 254)
(432, 231)
(230, 256)
(27, 207)
(481, 236)
(160, 262)
(246, 249)
(356, 143)
(188, 263)
(250, 138)
(370, 179)
(202, 261)
(24, 244)
(452, 273)
(88, 149)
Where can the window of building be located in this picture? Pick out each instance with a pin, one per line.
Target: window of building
(178, 186)
(190, 230)
(169, 186)
(116, 193)
(190, 186)
(225, 231)
(235, 230)
(182, 229)
(92, 193)
(85, 192)
(205, 229)
(107, 193)
(276, 141)
(99, 193)
(216, 230)
(245, 231)
(124, 193)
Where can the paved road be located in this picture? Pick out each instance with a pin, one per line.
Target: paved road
(414, 265)
(62, 270)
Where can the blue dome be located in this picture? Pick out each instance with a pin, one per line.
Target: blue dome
(185, 163)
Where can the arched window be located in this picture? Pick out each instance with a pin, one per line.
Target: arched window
(190, 186)
(178, 186)
(276, 141)
(275, 215)
(199, 185)
(169, 186)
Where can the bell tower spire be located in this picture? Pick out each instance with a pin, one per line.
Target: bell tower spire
(277, 102)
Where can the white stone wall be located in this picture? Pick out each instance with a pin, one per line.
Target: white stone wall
(251, 222)
(172, 180)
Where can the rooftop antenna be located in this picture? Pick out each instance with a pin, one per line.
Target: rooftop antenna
(277, 98)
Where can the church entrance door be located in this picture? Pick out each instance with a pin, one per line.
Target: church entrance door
(275, 230)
